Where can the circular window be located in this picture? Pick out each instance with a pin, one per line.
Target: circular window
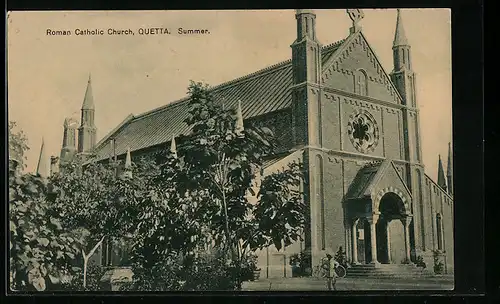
(363, 131)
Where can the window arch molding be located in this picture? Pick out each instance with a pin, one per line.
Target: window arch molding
(361, 82)
(439, 230)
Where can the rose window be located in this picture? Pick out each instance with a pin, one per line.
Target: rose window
(363, 131)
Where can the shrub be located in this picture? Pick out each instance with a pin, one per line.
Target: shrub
(211, 274)
(248, 266)
(341, 257)
(301, 264)
(438, 264)
(94, 275)
(420, 262)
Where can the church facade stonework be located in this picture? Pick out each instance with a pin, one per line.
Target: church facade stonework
(356, 129)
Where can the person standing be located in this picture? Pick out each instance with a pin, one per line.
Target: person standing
(332, 275)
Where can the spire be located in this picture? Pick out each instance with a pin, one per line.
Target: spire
(449, 171)
(173, 147)
(43, 167)
(239, 128)
(441, 179)
(400, 36)
(88, 101)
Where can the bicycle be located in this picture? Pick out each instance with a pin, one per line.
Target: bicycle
(323, 269)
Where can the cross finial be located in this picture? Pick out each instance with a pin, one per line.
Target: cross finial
(356, 15)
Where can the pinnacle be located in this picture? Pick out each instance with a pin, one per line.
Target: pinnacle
(239, 119)
(441, 178)
(128, 160)
(173, 146)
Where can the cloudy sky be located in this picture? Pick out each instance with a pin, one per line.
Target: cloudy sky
(47, 75)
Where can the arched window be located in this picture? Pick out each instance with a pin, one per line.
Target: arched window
(361, 83)
(439, 230)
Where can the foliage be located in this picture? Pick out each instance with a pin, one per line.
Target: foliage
(224, 160)
(162, 276)
(211, 273)
(341, 257)
(93, 280)
(93, 198)
(438, 264)
(301, 264)
(18, 144)
(40, 247)
(198, 199)
(420, 262)
(248, 266)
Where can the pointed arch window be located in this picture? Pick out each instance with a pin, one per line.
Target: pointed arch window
(361, 82)
(439, 229)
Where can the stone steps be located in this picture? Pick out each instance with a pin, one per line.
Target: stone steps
(392, 271)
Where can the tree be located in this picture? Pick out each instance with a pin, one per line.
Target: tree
(93, 198)
(202, 197)
(18, 144)
(40, 248)
(221, 159)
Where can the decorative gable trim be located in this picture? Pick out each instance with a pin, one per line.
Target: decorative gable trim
(343, 52)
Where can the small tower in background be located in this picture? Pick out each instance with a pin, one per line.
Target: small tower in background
(87, 129)
(69, 140)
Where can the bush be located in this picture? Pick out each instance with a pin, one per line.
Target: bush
(211, 274)
(94, 275)
(438, 264)
(420, 262)
(301, 264)
(205, 272)
(341, 257)
(248, 266)
(163, 276)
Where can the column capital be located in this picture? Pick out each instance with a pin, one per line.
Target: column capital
(355, 221)
(373, 219)
(406, 220)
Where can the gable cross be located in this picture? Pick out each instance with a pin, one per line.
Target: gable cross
(356, 15)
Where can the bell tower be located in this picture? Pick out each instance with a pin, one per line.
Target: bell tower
(404, 79)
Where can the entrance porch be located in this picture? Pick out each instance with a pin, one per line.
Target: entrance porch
(381, 235)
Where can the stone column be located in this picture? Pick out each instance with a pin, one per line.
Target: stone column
(406, 229)
(354, 232)
(373, 236)
(388, 240)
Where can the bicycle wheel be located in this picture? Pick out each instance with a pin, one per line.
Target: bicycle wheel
(340, 271)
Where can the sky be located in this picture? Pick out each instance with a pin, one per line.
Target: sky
(132, 74)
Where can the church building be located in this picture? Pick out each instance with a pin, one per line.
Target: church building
(356, 129)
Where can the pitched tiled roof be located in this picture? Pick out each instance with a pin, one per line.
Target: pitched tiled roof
(261, 92)
(363, 180)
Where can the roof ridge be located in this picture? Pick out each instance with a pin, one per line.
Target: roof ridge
(233, 81)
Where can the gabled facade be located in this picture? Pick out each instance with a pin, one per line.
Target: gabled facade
(355, 127)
